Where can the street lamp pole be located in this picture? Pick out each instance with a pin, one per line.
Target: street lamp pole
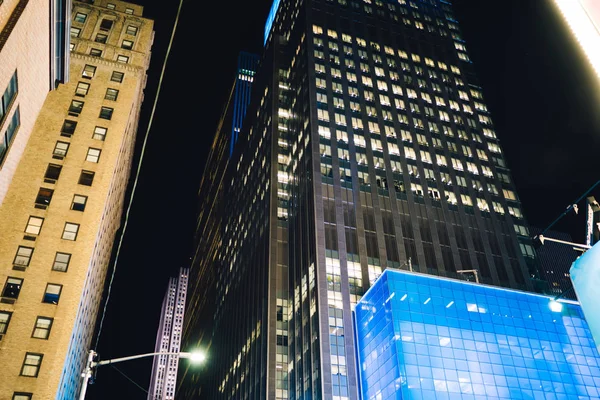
(91, 364)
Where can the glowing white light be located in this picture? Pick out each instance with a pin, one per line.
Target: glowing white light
(579, 18)
(450, 304)
(403, 297)
(555, 306)
(428, 300)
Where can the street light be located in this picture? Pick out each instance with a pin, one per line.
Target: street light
(195, 357)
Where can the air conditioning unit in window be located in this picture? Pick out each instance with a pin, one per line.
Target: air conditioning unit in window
(20, 262)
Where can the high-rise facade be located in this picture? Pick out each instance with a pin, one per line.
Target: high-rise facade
(63, 207)
(208, 239)
(555, 260)
(168, 339)
(247, 65)
(24, 84)
(367, 144)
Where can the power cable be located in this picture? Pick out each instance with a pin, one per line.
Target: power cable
(137, 174)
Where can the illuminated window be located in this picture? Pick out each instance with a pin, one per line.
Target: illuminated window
(131, 30)
(93, 155)
(122, 59)
(80, 17)
(61, 262)
(70, 231)
(111, 94)
(117, 76)
(127, 44)
(101, 38)
(23, 257)
(60, 150)
(31, 365)
(34, 225)
(82, 89)
(42, 327)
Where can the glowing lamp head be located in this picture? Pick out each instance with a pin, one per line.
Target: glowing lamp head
(555, 306)
(197, 357)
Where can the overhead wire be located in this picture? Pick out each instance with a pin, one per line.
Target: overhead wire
(137, 173)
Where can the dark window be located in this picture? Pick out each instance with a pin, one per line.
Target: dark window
(95, 52)
(79, 202)
(80, 17)
(106, 113)
(60, 150)
(111, 94)
(75, 108)
(43, 198)
(52, 173)
(31, 364)
(106, 24)
(4, 321)
(101, 38)
(86, 178)
(61, 262)
(12, 288)
(127, 44)
(42, 327)
(68, 127)
(23, 256)
(117, 76)
(52, 293)
(88, 71)
(131, 30)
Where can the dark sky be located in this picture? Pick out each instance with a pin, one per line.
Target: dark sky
(541, 93)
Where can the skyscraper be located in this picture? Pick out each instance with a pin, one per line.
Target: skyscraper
(555, 262)
(367, 144)
(197, 332)
(168, 339)
(63, 207)
(247, 64)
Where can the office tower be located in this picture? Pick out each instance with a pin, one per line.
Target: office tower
(197, 332)
(24, 84)
(247, 64)
(427, 337)
(168, 340)
(367, 144)
(63, 208)
(555, 262)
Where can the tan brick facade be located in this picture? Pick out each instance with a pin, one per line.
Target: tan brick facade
(75, 314)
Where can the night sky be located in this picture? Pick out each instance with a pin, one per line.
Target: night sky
(542, 95)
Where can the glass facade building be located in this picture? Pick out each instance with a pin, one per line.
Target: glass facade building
(247, 65)
(366, 144)
(425, 337)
